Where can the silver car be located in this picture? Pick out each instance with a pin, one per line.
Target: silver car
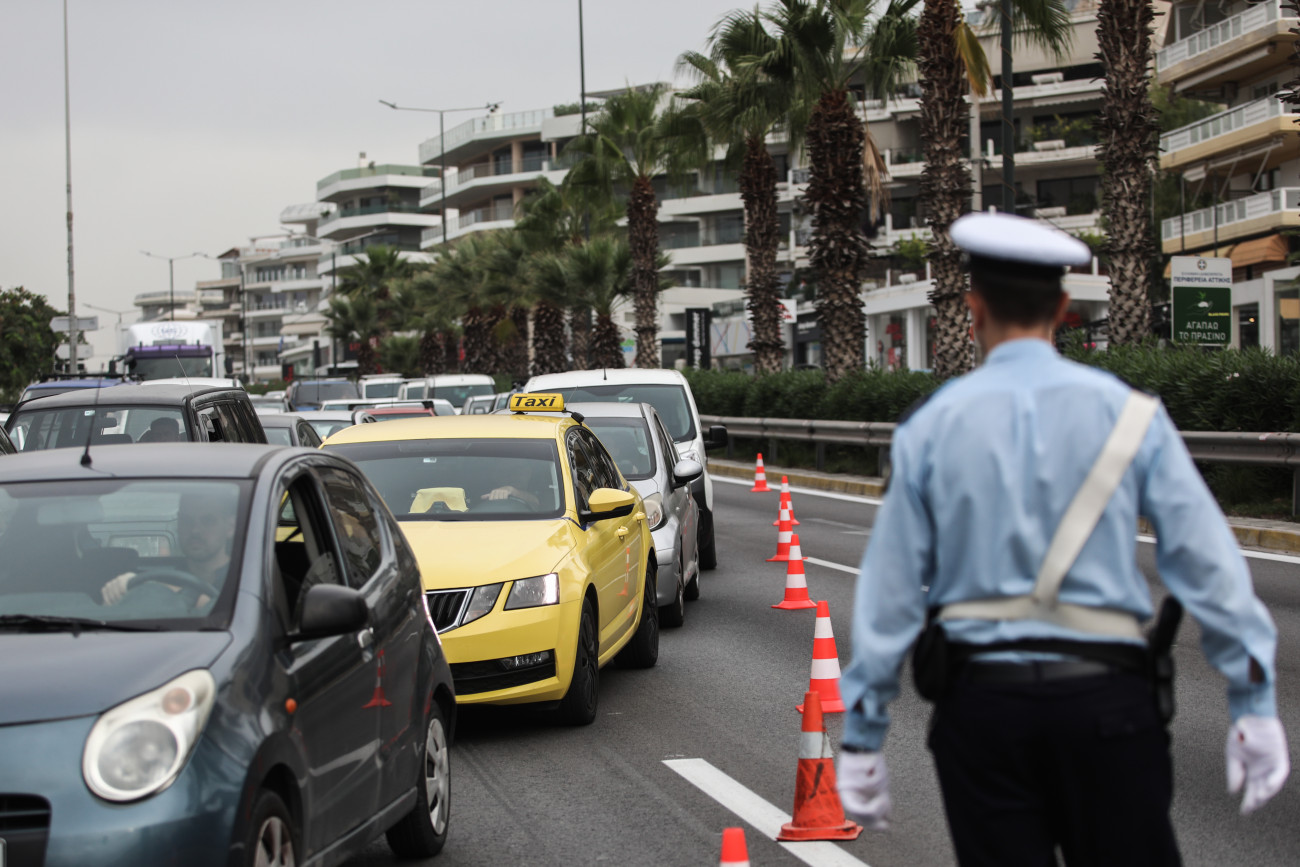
(636, 438)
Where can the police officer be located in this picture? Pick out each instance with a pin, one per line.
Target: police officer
(1045, 734)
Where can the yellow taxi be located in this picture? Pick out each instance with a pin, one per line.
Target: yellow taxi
(535, 553)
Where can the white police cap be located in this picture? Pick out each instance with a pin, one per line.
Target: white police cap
(1018, 239)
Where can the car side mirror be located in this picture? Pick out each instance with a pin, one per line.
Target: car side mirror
(686, 471)
(329, 609)
(717, 438)
(606, 503)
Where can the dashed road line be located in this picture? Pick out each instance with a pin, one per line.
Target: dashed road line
(763, 816)
(830, 495)
(816, 561)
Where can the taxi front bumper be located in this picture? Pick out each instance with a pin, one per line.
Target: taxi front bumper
(493, 660)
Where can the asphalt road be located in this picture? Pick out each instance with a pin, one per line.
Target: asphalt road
(720, 704)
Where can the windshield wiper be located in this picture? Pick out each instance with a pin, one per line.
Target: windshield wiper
(74, 624)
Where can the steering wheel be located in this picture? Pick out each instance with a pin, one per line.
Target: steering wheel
(496, 505)
(170, 575)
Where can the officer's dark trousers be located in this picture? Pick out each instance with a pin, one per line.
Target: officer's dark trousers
(1079, 764)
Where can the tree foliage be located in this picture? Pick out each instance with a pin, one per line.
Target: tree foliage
(27, 350)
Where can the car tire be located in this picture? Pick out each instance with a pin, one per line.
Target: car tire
(272, 841)
(580, 703)
(674, 614)
(643, 650)
(707, 543)
(422, 832)
(693, 586)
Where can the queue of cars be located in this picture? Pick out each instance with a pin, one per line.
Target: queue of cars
(251, 653)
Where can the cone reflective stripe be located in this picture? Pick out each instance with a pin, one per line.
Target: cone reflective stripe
(785, 503)
(796, 585)
(734, 851)
(825, 680)
(818, 813)
(760, 477)
(783, 537)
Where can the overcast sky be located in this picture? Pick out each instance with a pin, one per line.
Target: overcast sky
(195, 123)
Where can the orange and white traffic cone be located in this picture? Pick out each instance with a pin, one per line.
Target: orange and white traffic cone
(825, 680)
(796, 585)
(760, 477)
(818, 813)
(734, 851)
(377, 698)
(785, 503)
(783, 538)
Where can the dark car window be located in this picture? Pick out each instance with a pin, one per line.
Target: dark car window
(667, 453)
(307, 436)
(248, 421)
(355, 525)
(278, 436)
(582, 468)
(628, 442)
(35, 429)
(210, 425)
(669, 401)
(314, 392)
(6, 445)
(304, 548)
(607, 475)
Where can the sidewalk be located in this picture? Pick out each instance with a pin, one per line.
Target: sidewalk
(1281, 537)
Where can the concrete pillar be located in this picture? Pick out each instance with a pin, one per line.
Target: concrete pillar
(517, 157)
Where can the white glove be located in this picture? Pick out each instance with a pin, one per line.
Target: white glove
(1259, 758)
(863, 782)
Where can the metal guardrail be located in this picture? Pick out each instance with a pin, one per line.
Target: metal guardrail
(1243, 449)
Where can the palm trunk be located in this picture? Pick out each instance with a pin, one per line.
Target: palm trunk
(1127, 125)
(643, 239)
(758, 193)
(431, 353)
(606, 344)
(838, 248)
(514, 355)
(478, 339)
(580, 337)
(548, 338)
(945, 180)
(367, 363)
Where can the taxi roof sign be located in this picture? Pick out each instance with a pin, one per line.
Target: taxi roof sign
(537, 403)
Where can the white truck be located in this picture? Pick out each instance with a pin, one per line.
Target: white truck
(165, 350)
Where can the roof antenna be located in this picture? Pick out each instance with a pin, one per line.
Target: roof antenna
(604, 374)
(94, 416)
(184, 374)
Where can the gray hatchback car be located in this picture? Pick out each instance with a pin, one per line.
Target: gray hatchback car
(213, 655)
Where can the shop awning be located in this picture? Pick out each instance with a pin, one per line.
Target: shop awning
(1272, 248)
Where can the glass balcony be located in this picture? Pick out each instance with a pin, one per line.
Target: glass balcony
(490, 214)
(1225, 31)
(369, 172)
(1222, 217)
(519, 122)
(387, 208)
(1223, 123)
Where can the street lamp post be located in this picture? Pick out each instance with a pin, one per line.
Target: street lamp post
(442, 146)
(171, 276)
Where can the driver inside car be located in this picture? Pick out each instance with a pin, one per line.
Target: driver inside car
(497, 479)
(206, 530)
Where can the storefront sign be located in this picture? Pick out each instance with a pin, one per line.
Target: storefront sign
(698, 320)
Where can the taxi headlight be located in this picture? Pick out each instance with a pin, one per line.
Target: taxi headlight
(532, 592)
(481, 602)
(137, 748)
(654, 510)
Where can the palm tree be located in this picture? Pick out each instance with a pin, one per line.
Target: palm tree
(400, 353)
(951, 62)
(356, 320)
(629, 144)
(553, 293)
(375, 272)
(419, 306)
(506, 295)
(821, 47)
(1128, 127)
(458, 276)
(737, 107)
(601, 272)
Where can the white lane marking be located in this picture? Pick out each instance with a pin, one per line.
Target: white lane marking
(852, 570)
(830, 495)
(764, 817)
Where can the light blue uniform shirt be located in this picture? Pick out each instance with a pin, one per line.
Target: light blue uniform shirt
(983, 473)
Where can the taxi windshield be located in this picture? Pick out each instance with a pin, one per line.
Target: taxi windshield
(668, 399)
(628, 442)
(463, 480)
(150, 553)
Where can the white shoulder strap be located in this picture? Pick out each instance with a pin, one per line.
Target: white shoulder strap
(1072, 533)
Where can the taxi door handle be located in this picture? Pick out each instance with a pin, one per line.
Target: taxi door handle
(621, 532)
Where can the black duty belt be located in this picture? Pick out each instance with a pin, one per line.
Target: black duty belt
(1036, 671)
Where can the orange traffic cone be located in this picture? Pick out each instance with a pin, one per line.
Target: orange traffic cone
(760, 477)
(796, 585)
(825, 680)
(734, 851)
(785, 503)
(783, 537)
(818, 813)
(377, 698)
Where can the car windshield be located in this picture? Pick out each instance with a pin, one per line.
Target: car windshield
(414, 390)
(668, 399)
(628, 442)
(382, 389)
(65, 547)
(392, 416)
(277, 436)
(325, 427)
(36, 429)
(274, 402)
(458, 394)
(315, 392)
(463, 480)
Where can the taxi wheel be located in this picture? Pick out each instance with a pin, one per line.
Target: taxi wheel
(643, 650)
(271, 836)
(422, 832)
(578, 708)
(674, 614)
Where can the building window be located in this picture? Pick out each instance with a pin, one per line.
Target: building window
(1288, 321)
(1248, 326)
(1076, 195)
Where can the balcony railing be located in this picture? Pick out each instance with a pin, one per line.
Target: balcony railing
(1225, 122)
(372, 171)
(490, 214)
(519, 121)
(387, 208)
(1236, 211)
(1215, 35)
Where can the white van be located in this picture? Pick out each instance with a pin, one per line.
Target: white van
(669, 393)
(379, 386)
(453, 387)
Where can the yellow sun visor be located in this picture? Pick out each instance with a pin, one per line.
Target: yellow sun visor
(537, 403)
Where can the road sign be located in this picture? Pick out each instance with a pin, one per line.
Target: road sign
(84, 323)
(1201, 300)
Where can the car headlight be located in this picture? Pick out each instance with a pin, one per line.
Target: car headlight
(481, 602)
(654, 510)
(532, 592)
(137, 748)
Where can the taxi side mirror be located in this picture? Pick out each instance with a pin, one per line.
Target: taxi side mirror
(329, 609)
(686, 471)
(717, 438)
(605, 503)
